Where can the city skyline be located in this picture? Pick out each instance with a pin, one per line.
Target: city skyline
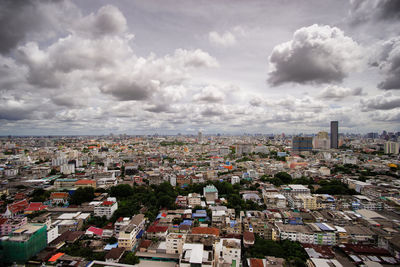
(136, 67)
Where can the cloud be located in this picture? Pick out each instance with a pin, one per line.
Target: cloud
(387, 60)
(225, 39)
(210, 94)
(374, 10)
(39, 20)
(316, 54)
(108, 20)
(380, 102)
(334, 92)
(256, 102)
(141, 78)
(387, 116)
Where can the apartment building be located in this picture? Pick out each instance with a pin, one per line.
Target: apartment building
(106, 208)
(174, 243)
(194, 200)
(228, 252)
(129, 235)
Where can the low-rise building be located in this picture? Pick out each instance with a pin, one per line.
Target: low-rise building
(228, 252)
(174, 243)
(106, 208)
(194, 200)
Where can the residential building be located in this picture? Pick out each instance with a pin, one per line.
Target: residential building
(106, 208)
(129, 235)
(391, 148)
(7, 225)
(174, 243)
(210, 192)
(228, 252)
(235, 179)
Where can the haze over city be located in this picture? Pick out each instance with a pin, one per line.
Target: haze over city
(144, 67)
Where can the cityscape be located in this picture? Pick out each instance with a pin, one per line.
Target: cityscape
(188, 133)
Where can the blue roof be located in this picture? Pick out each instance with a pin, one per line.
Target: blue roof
(110, 246)
(139, 235)
(186, 222)
(196, 215)
(323, 227)
(233, 223)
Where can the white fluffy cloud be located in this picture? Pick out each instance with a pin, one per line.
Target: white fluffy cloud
(316, 54)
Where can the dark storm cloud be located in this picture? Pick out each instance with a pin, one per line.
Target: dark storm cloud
(20, 18)
(374, 10)
(317, 54)
(388, 60)
(380, 102)
(130, 90)
(160, 108)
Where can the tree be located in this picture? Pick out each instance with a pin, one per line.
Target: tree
(121, 191)
(284, 177)
(82, 194)
(293, 252)
(40, 195)
(130, 258)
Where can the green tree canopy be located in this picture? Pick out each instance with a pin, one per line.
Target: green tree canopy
(81, 195)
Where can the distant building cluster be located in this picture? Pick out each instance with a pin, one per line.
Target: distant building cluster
(201, 200)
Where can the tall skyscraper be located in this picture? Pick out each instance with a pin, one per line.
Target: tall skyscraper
(200, 137)
(334, 134)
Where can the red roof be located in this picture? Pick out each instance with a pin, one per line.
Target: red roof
(120, 219)
(95, 230)
(18, 206)
(36, 206)
(206, 231)
(56, 257)
(157, 229)
(107, 203)
(248, 237)
(145, 244)
(256, 263)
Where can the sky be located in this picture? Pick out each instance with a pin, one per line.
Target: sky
(182, 66)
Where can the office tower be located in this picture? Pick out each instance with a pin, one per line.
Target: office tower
(334, 134)
(200, 137)
(301, 143)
